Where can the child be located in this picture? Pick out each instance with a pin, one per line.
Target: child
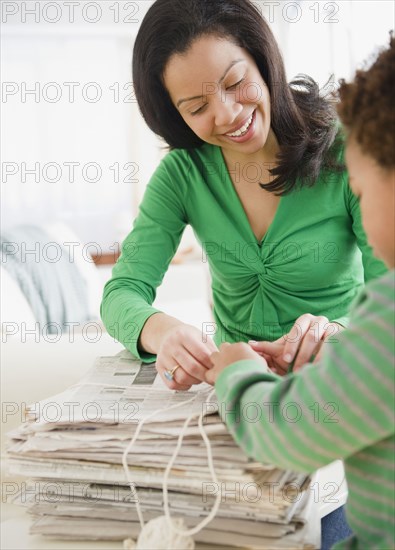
(344, 407)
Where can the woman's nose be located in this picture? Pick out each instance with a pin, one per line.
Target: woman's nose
(226, 110)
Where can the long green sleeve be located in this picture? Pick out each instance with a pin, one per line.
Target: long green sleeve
(342, 408)
(145, 256)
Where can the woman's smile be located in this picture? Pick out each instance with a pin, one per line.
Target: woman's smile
(244, 131)
(219, 92)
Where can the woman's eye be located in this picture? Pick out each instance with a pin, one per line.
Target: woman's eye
(235, 85)
(198, 110)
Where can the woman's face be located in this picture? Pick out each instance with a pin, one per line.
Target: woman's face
(218, 90)
(375, 188)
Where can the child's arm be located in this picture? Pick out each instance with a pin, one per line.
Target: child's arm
(320, 414)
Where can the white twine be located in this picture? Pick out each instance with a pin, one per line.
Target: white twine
(155, 534)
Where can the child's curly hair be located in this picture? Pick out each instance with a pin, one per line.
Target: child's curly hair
(367, 108)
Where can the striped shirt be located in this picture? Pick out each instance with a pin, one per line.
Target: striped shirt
(341, 409)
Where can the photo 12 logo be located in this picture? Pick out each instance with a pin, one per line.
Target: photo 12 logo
(68, 171)
(293, 12)
(67, 92)
(70, 12)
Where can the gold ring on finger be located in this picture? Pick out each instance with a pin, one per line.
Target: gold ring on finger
(169, 373)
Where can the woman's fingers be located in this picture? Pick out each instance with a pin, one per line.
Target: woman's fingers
(191, 366)
(306, 339)
(269, 348)
(185, 349)
(272, 352)
(188, 372)
(293, 340)
(328, 338)
(281, 369)
(326, 331)
(182, 378)
(196, 357)
(175, 377)
(210, 377)
(198, 349)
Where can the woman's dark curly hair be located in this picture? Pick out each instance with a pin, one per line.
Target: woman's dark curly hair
(304, 123)
(367, 108)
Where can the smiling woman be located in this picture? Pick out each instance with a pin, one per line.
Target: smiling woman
(228, 115)
(231, 109)
(256, 169)
(303, 122)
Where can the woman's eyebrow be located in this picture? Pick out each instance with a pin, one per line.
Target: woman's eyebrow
(219, 82)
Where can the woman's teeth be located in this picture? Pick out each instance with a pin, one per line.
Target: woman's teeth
(243, 130)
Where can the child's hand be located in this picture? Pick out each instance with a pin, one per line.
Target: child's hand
(228, 354)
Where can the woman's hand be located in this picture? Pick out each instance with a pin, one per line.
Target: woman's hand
(184, 348)
(228, 354)
(303, 344)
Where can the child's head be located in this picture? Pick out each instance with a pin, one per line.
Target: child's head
(367, 111)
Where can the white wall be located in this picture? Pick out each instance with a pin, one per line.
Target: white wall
(94, 45)
(83, 110)
(321, 38)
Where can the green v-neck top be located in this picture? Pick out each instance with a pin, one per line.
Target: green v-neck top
(313, 258)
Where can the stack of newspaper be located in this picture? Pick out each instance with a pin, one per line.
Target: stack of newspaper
(71, 449)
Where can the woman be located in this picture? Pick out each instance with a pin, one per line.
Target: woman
(256, 170)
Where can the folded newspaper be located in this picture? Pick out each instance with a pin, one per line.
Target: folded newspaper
(71, 448)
